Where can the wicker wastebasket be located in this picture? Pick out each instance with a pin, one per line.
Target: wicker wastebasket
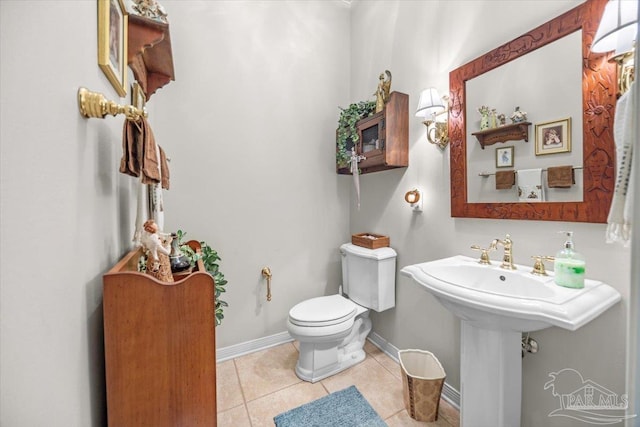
(422, 381)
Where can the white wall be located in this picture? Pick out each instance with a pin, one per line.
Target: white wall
(65, 215)
(420, 42)
(250, 126)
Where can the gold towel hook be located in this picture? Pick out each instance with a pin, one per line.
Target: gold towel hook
(95, 105)
(266, 272)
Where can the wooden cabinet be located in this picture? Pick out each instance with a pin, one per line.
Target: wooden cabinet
(384, 137)
(159, 347)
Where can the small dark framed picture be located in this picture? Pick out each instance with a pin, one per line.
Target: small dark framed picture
(112, 43)
(504, 157)
(553, 137)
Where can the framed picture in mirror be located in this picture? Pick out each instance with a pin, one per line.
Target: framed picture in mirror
(553, 137)
(504, 157)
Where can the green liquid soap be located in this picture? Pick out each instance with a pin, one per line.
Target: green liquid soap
(569, 266)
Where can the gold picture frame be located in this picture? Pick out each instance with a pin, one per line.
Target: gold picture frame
(112, 43)
(553, 137)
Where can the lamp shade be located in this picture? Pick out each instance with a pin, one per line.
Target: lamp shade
(618, 27)
(429, 103)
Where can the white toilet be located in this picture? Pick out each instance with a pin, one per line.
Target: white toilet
(331, 330)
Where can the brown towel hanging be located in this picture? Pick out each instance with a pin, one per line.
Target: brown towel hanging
(150, 161)
(164, 166)
(560, 177)
(140, 154)
(505, 179)
(131, 148)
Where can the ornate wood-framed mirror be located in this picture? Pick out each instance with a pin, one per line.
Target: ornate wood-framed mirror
(598, 108)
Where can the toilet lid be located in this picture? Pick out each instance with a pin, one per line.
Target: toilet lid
(322, 311)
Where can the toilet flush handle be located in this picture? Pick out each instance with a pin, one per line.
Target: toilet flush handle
(266, 272)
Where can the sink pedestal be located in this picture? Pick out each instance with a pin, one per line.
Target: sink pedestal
(491, 377)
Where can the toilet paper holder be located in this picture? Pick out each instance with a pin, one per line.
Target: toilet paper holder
(266, 272)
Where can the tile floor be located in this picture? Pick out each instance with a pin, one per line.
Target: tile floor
(252, 389)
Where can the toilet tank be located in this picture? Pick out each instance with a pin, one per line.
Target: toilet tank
(369, 276)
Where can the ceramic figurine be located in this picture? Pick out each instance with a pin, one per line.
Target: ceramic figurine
(158, 250)
(518, 116)
(493, 119)
(150, 9)
(484, 117)
(383, 91)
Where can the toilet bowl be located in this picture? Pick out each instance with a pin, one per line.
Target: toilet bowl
(332, 329)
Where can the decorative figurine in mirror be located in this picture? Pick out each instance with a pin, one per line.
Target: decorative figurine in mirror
(157, 247)
(150, 9)
(493, 119)
(518, 116)
(484, 117)
(383, 91)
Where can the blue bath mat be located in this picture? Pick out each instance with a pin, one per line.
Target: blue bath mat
(344, 408)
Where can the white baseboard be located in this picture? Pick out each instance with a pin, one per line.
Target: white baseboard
(237, 350)
(449, 393)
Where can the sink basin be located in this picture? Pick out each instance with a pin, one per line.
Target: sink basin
(496, 306)
(495, 298)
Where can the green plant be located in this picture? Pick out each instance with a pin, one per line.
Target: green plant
(210, 260)
(347, 131)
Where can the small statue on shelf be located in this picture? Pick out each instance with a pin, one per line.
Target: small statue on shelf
(518, 116)
(484, 117)
(383, 91)
(493, 119)
(150, 9)
(158, 249)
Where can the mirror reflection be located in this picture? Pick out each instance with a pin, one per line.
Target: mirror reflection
(547, 85)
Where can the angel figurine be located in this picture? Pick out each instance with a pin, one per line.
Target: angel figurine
(383, 91)
(158, 249)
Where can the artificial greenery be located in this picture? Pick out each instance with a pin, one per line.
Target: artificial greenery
(347, 131)
(210, 260)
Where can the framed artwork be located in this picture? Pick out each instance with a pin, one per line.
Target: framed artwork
(553, 137)
(504, 157)
(112, 43)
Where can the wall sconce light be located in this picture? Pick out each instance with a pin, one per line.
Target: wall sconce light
(430, 106)
(414, 198)
(617, 31)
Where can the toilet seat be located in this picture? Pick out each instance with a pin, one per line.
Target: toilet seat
(323, 311)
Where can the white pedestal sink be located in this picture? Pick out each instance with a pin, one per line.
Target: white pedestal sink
(496, 306)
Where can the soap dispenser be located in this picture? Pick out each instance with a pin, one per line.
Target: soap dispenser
(569, 265)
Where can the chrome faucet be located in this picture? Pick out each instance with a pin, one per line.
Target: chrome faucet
(507, 259)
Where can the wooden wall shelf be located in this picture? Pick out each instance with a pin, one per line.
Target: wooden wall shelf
(159, 343)
(512, 132)
(149, 55)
